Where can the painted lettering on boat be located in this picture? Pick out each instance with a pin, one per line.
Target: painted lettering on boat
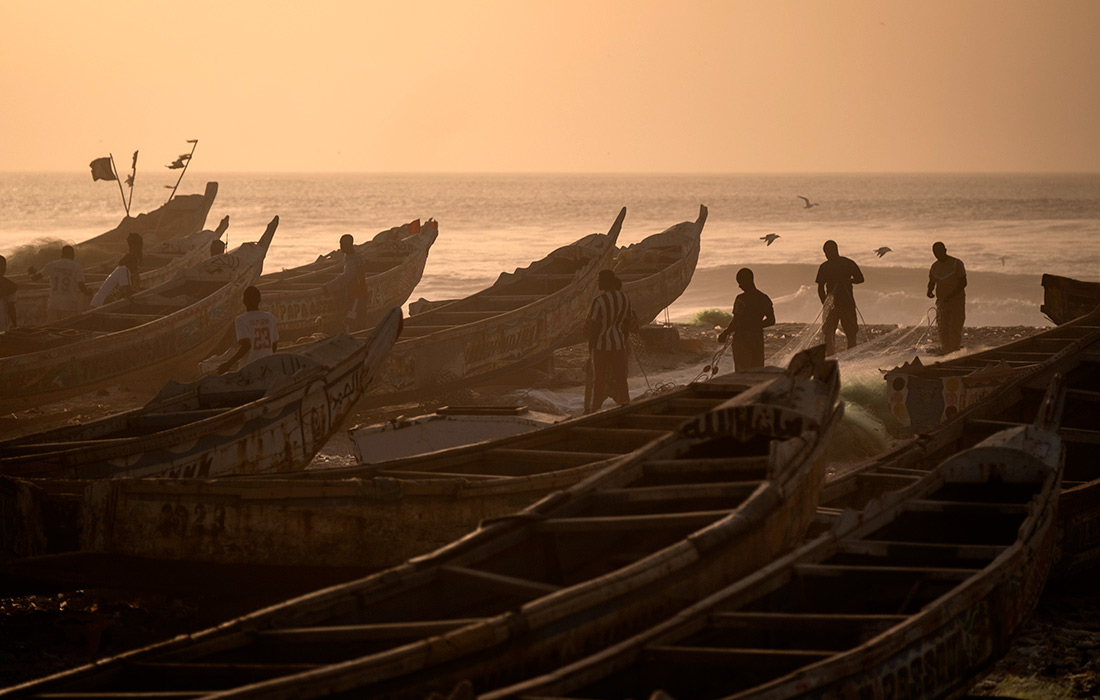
(929, 667)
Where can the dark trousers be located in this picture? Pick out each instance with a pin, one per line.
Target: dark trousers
(748, 351)
(846, 316)
(609, 369)
(950, 316)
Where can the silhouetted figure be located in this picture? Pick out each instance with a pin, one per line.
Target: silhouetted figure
(257, 332)
(119, 284)
(610, 321)
(7, 298)
(351, 286)
(770, 238)
(807, 201)
(835, 278)
(752, 313)
(67, 288)
(135, 245)
(947, 283)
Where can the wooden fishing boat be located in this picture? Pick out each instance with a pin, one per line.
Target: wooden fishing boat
(394, 264)
(1065, 298)
(671, 521)
(518, 321)
(369, 515)
(657, 270)
(155, 332)
(912, 598)
(274, 414)
(1073, 350)
(449, 426)
(159, 264)
(180, 217)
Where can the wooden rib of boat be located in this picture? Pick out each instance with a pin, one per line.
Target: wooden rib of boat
(394, 264)
(274, 414)
(671, 521)
(1065, 298)
(518, 321)
(155, 332)
(913, 597)
(180, 217)
(1073, 350)
(159, 264)
(370, 515)
(657, 270)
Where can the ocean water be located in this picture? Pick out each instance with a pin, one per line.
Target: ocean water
(1008, 229)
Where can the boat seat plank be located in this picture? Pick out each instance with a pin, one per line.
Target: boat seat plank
(800, 620)
(924, 572)
(728, 489)
(215, 673)
(883, 548)
(695, 519)
(714, 464)
(510, 585)
(548, 457)
(438, 475)
(661, 422)
(363, 633)
(135, 695)
(711, 656)
(931, 506)
(45, 447)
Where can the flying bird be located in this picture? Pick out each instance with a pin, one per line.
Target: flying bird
(807, 201)
(770, 238)
(882, 251)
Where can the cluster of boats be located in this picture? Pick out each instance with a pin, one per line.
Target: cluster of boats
(688, 545)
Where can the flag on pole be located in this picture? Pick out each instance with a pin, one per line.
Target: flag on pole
(102, 170)
(179, 162)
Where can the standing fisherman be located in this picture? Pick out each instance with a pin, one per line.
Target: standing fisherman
(350, 287)
(835, 278)
(67, 288)
(7, 298)
(947, 283)
(610, 320)
(752, 313)
(257, 331)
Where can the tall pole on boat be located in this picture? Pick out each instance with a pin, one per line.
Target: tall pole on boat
(182, 162)
(122, 194)
(130, 182)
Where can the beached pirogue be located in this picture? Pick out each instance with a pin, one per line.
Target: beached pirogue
(669, 523)
(375, 515)
(394, 262)
(911, 598)
(1072, 349)
(1065, 298)
(163, 332)
(177, 221)
(273, 414)
(657, 270)
(518, 321)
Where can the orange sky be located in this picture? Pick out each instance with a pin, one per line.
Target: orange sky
(563, 86)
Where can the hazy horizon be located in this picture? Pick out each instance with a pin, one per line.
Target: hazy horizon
(494, 86)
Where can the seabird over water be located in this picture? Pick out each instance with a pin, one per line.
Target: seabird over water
(770, 238)
(882, 251)
(808, 202)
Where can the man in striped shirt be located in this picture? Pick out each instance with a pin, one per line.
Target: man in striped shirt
(608, 326)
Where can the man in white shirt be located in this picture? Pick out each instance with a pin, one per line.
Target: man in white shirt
(118, 284)
(67, 288)
(257, 332)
